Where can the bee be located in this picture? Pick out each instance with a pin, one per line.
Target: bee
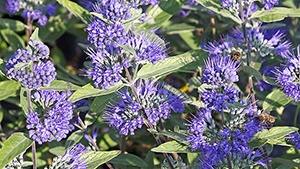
(236, 56)
(266, 119)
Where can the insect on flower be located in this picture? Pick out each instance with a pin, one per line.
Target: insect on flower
(266, 119)
(236, 56)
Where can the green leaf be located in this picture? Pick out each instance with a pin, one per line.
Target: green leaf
(199, 56)
(58, 56)
(275, 132)
(128, 49)
(8, 88)
(275, 14)
(276, 99)
(216, 7)
(59, 85)
(205, 86)
(171, 28)
(252, 71)
(163, 12)
(95, 159)
(77, 10)
(13, 39)
(74, 138)
(16, 144)
(55, 28)
(58, 150)
(164, 67)
(172, 147)
(98, 106)
(269, 80)
(100, 16)
(194, 82)
(149, 160)
(174, 135)
(12, 24)
(192, 158)
(288, 162)
(129, 159)
(88, 91)
(1, 114)
(238, 104)
(20, 66)
(258, 143)
(136, 14)
(2, 67)
(35, 34)
(23, 100)
(192, 40)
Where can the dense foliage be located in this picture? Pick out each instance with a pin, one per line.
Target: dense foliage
(149, 84)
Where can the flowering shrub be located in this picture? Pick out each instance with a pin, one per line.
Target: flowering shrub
(149, 84)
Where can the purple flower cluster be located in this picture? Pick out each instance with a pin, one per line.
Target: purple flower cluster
(31, 9)
(294, 139)
(269, 4)
(147, 47)
(106, 67)
(73, 157)
(54, 119)
(101, 35)
(220, 49)
(289, 77)
(220, 71)
(264, 42)
(155, 102)
(217, 98)
(30, 67)
(113, 10)
(215, 144)
(109, 37)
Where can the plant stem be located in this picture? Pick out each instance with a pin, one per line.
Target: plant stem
(84, 129)
(33, 147)
(34, 155)
(131, 84)
(296, 115)
(250, 83)
(29, 29)
(123, 144)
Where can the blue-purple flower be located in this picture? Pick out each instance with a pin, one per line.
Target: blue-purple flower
(31, 9)
(220, 71)
(217, 98)
(30, 67)
(231, 139)
(54, 119)
(73, 158)
(294, 139)
(264, 42)
(113, 10)
(269, 4)
(153, 102)
(288, 77)
(147, 46)
(106, 66)
(101, 34)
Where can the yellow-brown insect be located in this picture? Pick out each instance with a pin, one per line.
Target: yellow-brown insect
(236, 56)
(266, 119)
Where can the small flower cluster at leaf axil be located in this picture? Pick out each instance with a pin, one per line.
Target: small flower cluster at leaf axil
(32, 9)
